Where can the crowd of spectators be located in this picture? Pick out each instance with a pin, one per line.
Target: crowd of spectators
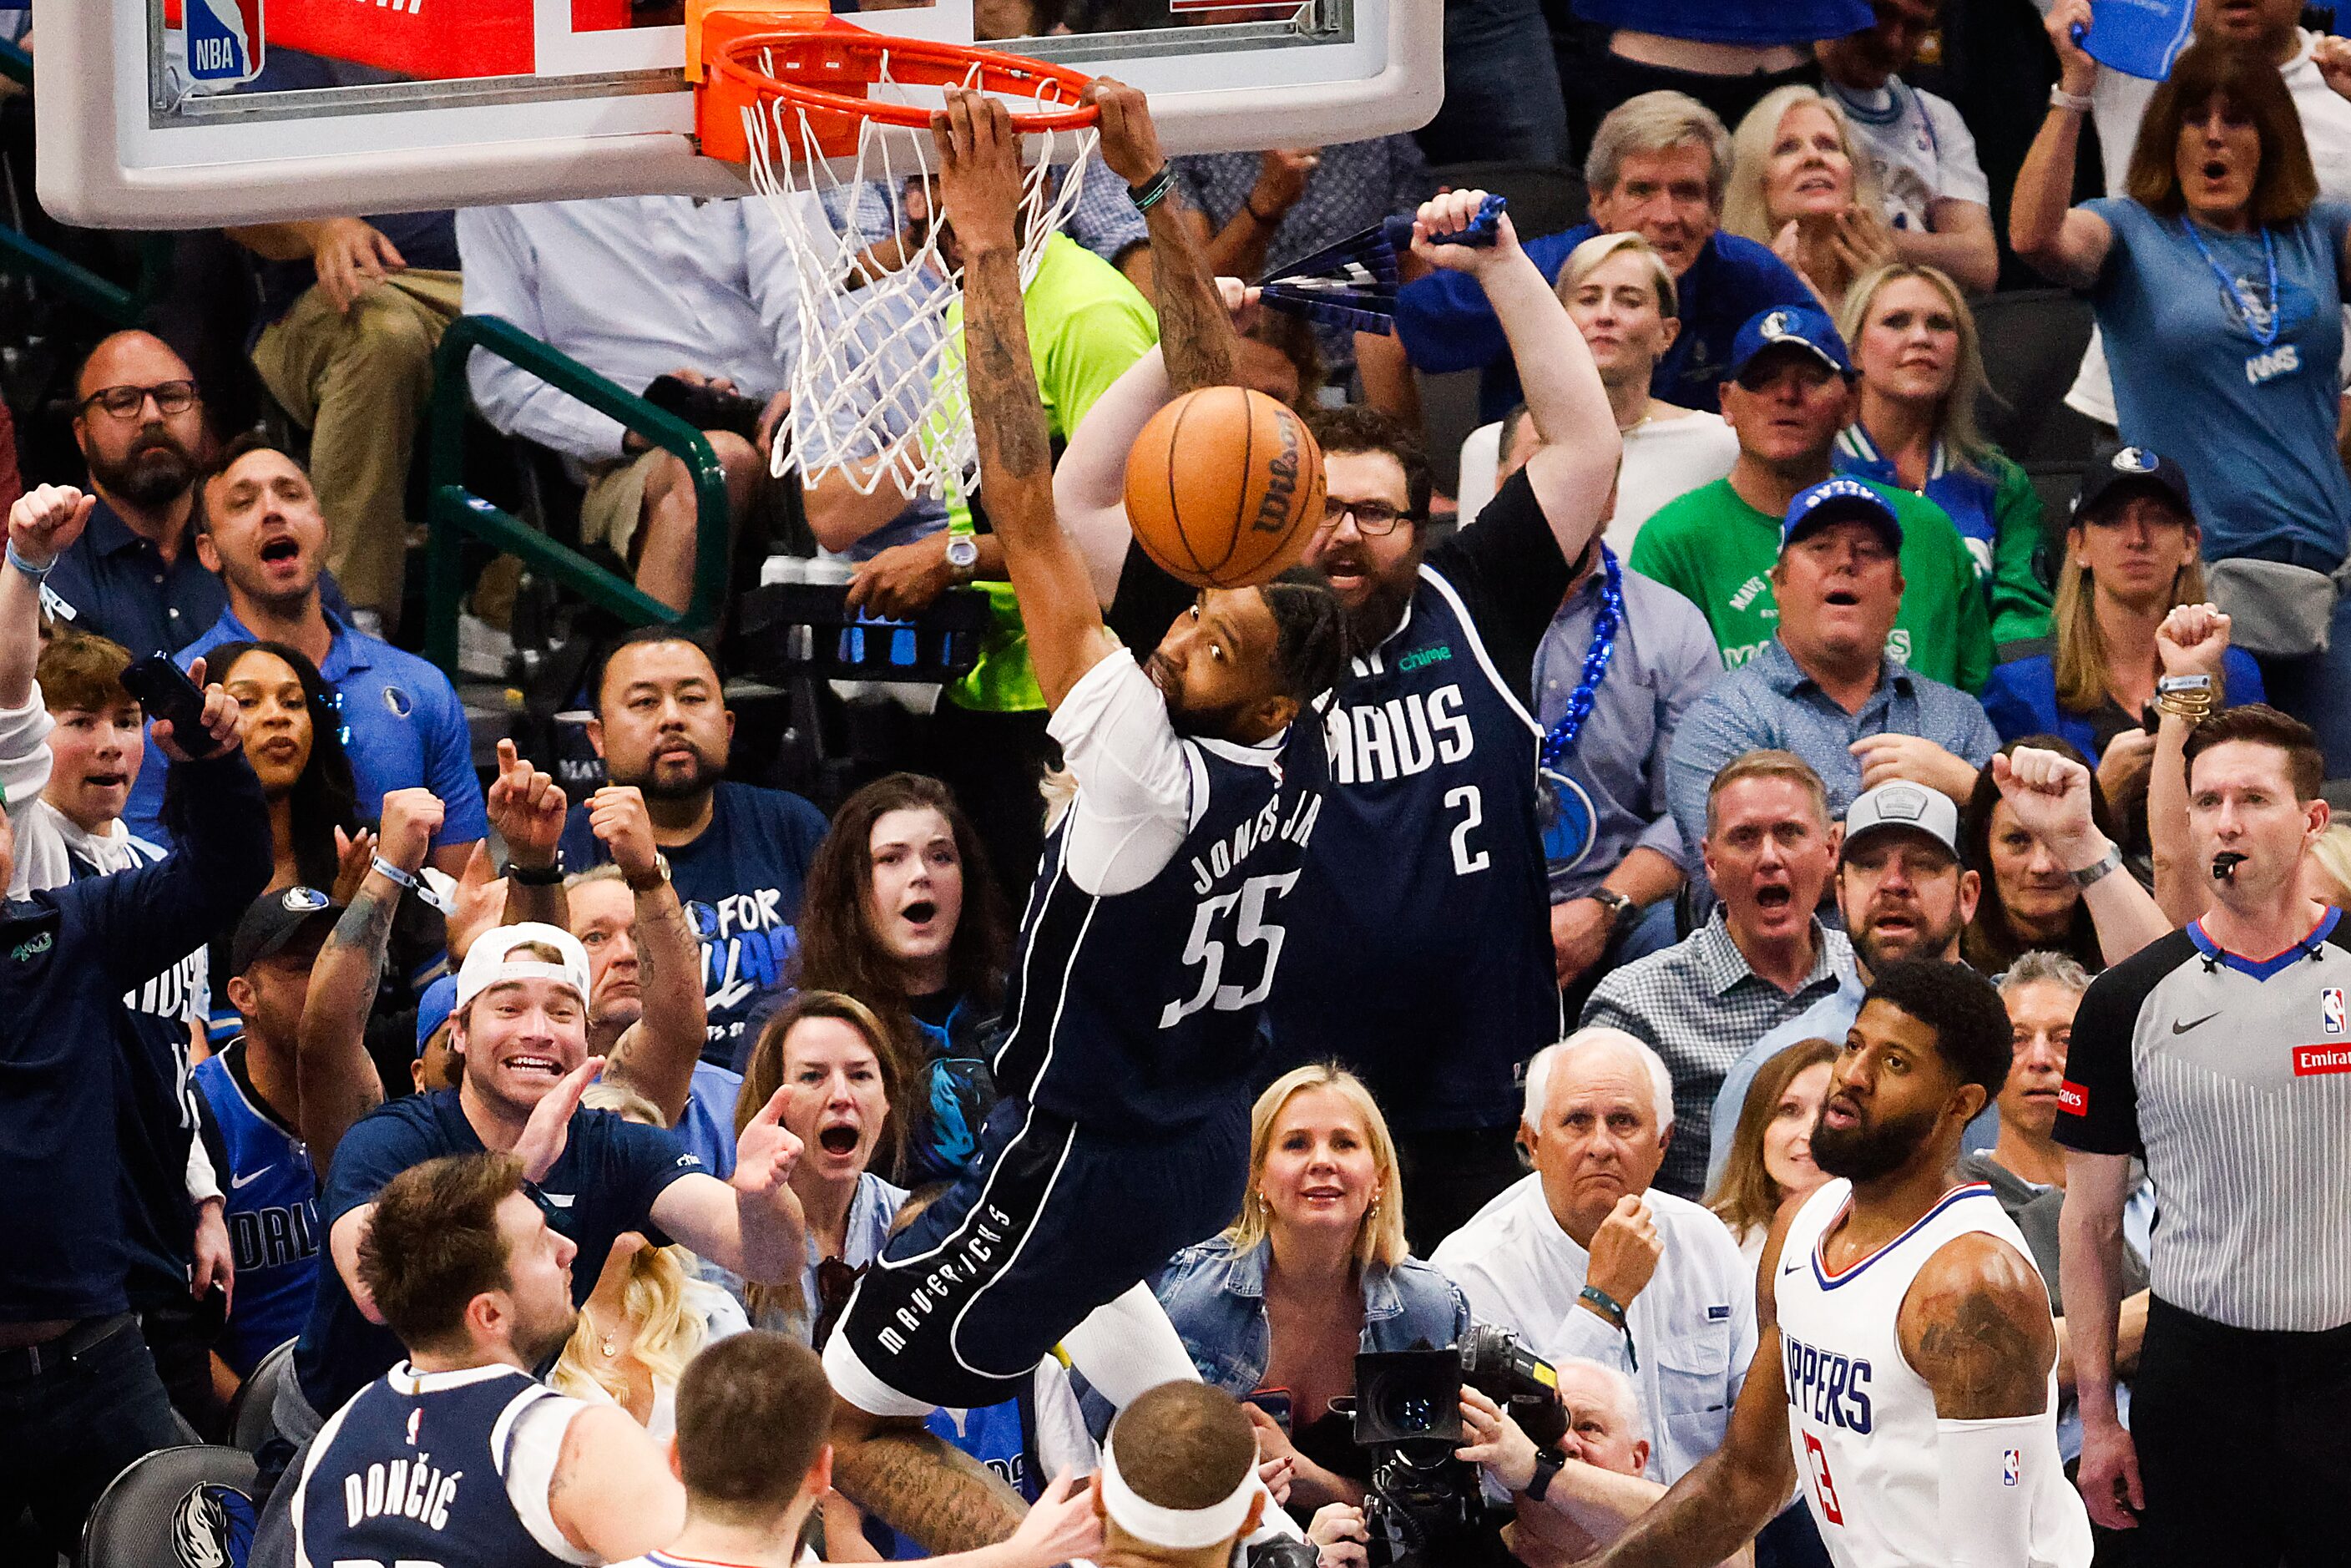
(295, 982)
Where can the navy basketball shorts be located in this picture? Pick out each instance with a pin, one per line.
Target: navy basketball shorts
(1050, 1221)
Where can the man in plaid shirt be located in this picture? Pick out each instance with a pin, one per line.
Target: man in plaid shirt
(1761, 959)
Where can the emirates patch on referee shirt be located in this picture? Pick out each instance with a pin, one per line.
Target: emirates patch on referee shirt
(2311, 1060)
(2072, 1098)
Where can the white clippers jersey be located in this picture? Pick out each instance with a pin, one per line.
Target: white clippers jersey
(1861, 1422)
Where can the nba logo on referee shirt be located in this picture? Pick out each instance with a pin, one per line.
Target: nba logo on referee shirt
(224, 40)
(2012, 1466)
(2330, 1010)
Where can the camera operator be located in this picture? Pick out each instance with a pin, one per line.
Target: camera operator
(1574, 1497)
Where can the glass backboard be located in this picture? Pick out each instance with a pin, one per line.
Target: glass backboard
(196, 114)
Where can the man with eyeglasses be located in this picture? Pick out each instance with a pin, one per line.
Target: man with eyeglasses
(133, 575)
(1420, 946)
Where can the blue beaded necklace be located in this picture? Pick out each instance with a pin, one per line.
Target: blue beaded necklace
(1563, 809)
(1562, 737)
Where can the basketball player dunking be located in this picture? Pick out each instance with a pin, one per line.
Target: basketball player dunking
(1146, 952)
(1905, 1377)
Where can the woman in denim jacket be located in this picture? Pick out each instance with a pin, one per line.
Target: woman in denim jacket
(1314, 1270)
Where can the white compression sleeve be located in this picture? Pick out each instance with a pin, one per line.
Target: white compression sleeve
(1993, 1473)
(1126, 1347)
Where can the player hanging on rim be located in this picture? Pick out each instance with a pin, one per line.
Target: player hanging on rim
(1419, 950)
(1146, 950)
(1906, 1375)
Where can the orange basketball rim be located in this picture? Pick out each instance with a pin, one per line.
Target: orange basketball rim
(796, 57)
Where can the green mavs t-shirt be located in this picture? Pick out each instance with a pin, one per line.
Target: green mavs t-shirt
(1717, 551)
(1087, 324)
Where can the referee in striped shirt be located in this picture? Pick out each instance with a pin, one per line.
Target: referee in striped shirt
(2223, 1053)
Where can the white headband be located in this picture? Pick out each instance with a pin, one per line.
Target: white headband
(1175, 1529)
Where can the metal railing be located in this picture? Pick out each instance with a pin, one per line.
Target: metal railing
(455, 512)
(102, 297)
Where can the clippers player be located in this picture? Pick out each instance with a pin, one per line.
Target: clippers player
(1146, 951)
(1906, 1377)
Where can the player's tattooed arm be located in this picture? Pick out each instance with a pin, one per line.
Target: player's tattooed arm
(935, 1495)
(979, 187)
(1976, 1326)
(1195, 333)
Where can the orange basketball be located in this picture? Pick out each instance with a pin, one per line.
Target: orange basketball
(1224, 487)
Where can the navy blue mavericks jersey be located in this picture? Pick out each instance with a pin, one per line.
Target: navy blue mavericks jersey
(412, 1471)
(1138, 1011)
(1419, 948)
(272, 1214)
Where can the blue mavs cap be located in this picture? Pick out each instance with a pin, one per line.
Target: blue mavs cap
(1791, 326)
(433, 1008)
(1839, 501)
(2114, 476)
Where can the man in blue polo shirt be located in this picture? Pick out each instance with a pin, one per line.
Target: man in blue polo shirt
(1657, 168)
(738, 854)
(404, 726)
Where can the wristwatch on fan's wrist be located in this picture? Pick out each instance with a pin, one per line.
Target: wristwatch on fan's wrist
(1620, 906)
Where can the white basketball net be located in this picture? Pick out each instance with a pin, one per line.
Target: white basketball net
(878, 388)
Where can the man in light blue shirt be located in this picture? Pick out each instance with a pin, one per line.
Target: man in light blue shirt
(1824, 688)
(404, 726)
(1616, 853)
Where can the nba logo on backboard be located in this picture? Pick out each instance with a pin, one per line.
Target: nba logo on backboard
(2330, 1010)
(224, 40)
(2012, 1466)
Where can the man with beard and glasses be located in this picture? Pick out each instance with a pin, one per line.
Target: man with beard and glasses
(1906, 892)
(403, 727)
(1905, 1380)
(134, 576)
(1145, 955)
(1420, 951)
(737, 854)
(458, 1456)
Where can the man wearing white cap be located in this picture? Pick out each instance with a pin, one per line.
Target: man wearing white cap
(520, 1022)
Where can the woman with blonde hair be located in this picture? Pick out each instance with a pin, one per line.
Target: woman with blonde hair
(1913, 341)
(648, 1315)
(832, 1056)
(1314, 1270)
(1799, 184)
(1770, 1158)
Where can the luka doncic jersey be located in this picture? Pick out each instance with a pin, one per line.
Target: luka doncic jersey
(272, 1214)
(1420, 949)
(1138, 1011)
(414, 1470)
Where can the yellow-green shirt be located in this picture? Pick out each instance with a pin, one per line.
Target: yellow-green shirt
(1086, 325)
